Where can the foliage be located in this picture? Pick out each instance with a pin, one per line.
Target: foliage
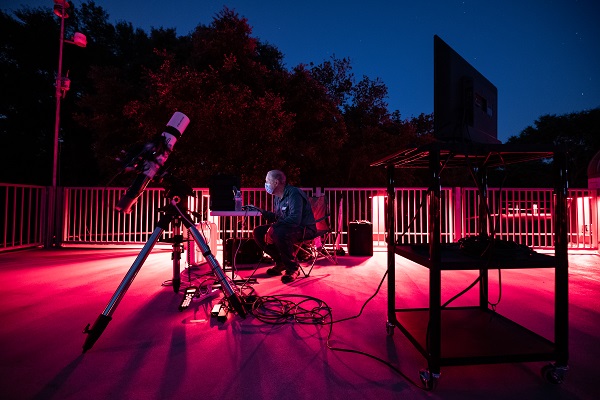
(577, 133)
(26, 103)
(248, 113)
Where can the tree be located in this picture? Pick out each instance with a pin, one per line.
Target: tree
(28, 55)
(314, 144)
(30, 40)
(578, 133)
(375, 133)
(248, 113)
(337, 77)
(247, 117)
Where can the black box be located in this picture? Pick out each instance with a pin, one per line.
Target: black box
(360, 238)
(248, 253)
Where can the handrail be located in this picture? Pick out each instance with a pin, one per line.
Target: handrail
(88, 215)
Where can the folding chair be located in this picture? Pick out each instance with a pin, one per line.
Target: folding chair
(314, 247)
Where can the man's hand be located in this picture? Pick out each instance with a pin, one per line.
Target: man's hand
(251, 207)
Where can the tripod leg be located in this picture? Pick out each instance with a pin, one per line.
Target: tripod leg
(176, 268)
(176, 256)
(230, 293)
(103, 319)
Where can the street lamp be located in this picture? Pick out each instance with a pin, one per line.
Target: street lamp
(63, 84)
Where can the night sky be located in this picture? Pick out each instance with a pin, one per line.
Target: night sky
(542, 55)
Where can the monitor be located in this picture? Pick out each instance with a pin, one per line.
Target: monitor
(465, 103)
(221, 191)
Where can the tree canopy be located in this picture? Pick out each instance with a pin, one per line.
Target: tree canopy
(577, 133)
(248, 112)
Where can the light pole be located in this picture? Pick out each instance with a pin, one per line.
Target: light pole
(61, 8)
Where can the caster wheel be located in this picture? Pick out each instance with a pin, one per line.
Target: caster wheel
(389, 328)
(554, 374)
(428, 379)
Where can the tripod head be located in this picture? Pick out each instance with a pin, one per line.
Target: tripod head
(176, 189)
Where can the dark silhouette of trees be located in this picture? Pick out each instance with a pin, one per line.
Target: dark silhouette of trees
(371, 130)
(27, 60)
(249, 114)
(246, 118)
(578, 133)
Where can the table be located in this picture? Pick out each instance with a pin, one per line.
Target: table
(234, 214)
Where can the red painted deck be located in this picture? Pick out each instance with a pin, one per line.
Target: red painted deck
(151, 350)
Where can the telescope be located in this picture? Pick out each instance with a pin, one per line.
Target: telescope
(149, 162)
(153, 158)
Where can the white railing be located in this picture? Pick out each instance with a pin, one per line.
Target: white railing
(23, 215)
(88, 215)
(582, 207)
(520, 215)
(525, 216)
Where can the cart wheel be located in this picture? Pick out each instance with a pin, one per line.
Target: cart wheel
(554, 374)
(428, 379)
(389, 328)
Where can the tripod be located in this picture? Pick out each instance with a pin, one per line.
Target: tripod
(171, 213)
(177, 243)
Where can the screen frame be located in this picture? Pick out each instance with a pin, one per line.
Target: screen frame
(465, 103)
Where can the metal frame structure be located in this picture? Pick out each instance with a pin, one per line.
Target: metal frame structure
(478, 334)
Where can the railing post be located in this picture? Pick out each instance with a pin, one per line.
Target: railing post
(50, 217)
(561, 278)
(458, 214)
(391, 242)
(595, 231)
(60, 213)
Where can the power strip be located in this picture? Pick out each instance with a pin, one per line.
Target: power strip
(212, 292)
(193, 294)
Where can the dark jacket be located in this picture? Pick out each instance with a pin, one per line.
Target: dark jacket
(292, 209)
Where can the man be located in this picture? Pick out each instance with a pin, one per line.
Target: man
(291, 222)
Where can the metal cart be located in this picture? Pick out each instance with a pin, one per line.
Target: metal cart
(450, 336)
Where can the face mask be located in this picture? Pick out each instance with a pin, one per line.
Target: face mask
(269, 188)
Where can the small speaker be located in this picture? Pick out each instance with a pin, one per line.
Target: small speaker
(360, 238)
(221, 193)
